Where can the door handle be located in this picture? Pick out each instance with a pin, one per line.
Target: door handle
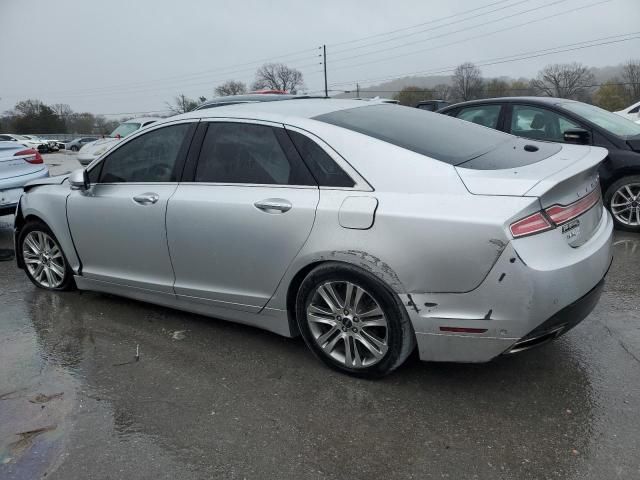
(273, 205)
(146, 198)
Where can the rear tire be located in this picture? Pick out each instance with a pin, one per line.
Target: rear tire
(74, 148)
(352, 321)
(622, 199)
(44, 261)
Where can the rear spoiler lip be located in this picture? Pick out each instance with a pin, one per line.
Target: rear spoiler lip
(592, 159)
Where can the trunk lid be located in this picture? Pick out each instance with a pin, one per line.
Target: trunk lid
(12, 166)
(559, 180)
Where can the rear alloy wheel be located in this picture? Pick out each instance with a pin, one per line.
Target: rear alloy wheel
(352, 321)
(44, 261)
(623, 200)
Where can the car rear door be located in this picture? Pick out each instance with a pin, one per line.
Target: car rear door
(488, 115)
(118, 224)
(249, 207)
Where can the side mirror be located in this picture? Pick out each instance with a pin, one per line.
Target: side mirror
(578, 136)
(79, 179)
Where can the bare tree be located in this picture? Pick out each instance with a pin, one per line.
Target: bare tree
(467, 82)
(442, 91)
(181, 104)
(231, 87)
(277, 76)
(631, 76)
(62, 109)
(569, 80)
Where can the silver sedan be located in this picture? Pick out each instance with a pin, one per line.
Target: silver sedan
(369, 229)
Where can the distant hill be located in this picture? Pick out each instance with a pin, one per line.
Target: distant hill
(389, 88)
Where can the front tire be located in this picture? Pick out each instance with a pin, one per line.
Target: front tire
(622, 199)
(44, 261)
(352, 321)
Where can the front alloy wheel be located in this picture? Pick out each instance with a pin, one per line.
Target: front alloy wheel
(43, 258)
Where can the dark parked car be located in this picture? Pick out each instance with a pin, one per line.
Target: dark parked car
(432, 105)
(568, 121)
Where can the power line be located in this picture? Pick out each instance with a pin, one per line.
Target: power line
(445, 34)
(507, 59)
(457, 42)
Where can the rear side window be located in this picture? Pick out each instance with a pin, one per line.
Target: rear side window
(324, 169)
(247, 153)
(437, 136)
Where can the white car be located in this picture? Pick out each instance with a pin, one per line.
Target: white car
(631, 112)
(39, 145)
(89, 152)
(18, 165)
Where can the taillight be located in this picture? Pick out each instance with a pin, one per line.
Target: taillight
(560, 214)
(535, 223)
(30, 155)
(554, 216)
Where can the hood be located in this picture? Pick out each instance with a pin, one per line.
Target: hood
(102, 145)
(57, 180)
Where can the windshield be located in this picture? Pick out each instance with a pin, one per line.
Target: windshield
(611, 122)
(125, 129)
(432, 134)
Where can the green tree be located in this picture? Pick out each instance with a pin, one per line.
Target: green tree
(497, 88)
(611, 95)
(410, 96)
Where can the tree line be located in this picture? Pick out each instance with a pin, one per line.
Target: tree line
(571, 80)
(270, 76)
(34, 116)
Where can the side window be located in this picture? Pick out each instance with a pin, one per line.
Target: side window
(148, 158)
(247, 153)
(485, 115)
(539, 123)
(634, 109)
(324, 169)
(5, 138)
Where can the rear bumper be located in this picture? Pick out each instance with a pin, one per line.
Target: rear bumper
(19, 182)
(521, 302)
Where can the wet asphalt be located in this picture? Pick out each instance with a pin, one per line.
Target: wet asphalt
(211, 399)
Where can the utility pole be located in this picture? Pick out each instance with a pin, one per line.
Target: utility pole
(357, 90)
(324, 62)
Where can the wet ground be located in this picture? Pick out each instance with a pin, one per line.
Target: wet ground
(210, 399)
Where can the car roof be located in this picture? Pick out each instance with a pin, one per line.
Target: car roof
(275, 111)
(250, 97)
(538, 100)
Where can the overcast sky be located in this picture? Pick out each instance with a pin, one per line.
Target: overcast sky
(122, 56)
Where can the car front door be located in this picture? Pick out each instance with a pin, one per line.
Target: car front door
(118, 223)
(235, 228)
(539, 123)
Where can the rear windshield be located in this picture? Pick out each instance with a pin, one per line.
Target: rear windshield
(432, 134)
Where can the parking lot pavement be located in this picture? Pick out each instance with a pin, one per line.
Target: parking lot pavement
(61, 162)
(210, 399)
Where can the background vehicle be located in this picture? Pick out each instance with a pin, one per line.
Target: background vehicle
(568, 121)
(432, 105)
(632, 112)
(233, 214)
(18, 165)
(90, 151)
(77, 143)
(51, 145)
(39, 145)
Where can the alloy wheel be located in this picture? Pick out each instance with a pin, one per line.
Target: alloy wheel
(625, 204)
(348, 324)
(43, 258)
